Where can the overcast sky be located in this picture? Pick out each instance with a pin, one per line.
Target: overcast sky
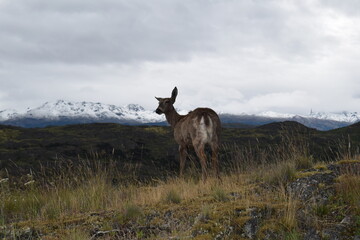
(234, 56)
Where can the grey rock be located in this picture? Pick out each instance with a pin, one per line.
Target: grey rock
(251, 226)
(331, 234)
(271, 235)
(347, 220)
(312, 234)
(308, 187)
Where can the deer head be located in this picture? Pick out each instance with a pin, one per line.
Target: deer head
(166, 104)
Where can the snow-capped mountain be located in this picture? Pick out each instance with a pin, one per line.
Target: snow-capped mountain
(7, 114)
(65, 112)
(351, 117)
(61, 109)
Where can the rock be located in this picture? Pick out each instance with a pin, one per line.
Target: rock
(312, 234)
(307, 188)
(252, 225)
(224, 234)
(20, 234)
(271, 235)
(352, 168)
(315, 191)
(235, 195)
(168, 214)
(331, 234)
(347, 220)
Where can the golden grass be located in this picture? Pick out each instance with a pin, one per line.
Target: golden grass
(90, 188)
(348, 187)
(99, 194)
(211, 201)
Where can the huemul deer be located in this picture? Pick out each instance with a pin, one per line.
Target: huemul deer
(199, 127)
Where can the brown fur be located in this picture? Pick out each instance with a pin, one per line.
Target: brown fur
(189, 131)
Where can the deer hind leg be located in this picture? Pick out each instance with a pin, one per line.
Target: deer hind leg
(214, 159)
(200, 152)
(183, 154)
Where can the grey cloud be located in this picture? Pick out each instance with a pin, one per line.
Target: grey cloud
(112, 31)
(109, 50)
(351, 7)
(95, 32)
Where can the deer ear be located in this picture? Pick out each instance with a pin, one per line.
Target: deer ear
(174, 94)
(159, 99)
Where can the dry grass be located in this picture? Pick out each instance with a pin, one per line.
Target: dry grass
(98, 194)
(348, 187)
(211, 201)
(89, 187)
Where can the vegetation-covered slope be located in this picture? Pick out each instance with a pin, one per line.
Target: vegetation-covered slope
(149, 149)
(82, 182)
(277, 201)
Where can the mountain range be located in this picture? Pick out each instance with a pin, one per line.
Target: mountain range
(63, 112)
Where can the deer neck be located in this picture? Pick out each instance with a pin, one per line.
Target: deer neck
(173, 117)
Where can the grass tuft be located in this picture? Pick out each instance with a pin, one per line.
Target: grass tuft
(172, 196)
(77, 234)
(278, 173)
(131, 212)
(289, 219)
(220, 195)
(304, 162)
(348, 188)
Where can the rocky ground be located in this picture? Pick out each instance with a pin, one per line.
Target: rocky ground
(310, 207)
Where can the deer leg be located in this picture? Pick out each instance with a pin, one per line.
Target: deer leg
(200, 152)
(183, 154)
(214, 159)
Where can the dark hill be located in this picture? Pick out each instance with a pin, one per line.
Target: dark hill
(150, 151)
(286, 125)
(354, 128)
(25, 148)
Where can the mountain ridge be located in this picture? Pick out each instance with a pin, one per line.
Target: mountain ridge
(62, 112)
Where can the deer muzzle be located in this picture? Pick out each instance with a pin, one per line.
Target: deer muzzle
(159, 111)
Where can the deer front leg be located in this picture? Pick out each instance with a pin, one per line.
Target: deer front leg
(183, 154)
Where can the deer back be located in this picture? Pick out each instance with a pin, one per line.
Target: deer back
(199, 126)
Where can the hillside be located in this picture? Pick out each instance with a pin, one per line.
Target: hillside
(265, 203)
(151, 150)
(111, 181)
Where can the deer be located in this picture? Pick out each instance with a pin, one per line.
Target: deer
(196, 129)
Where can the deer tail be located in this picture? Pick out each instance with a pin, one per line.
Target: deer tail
(206, 118)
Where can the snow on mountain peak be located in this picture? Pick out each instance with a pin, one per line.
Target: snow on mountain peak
(134, 113)
(271, 114)
(61, 108)
(7, 114)
(135, 107)
(344, 116)
(350, 117)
